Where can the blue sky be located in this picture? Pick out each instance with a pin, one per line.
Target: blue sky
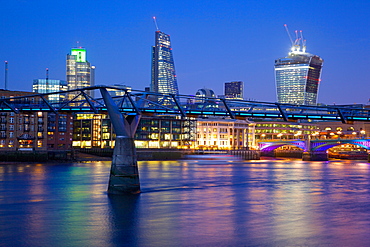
(213, 42)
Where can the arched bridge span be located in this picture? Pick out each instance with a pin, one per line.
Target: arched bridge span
(314, 145)
(318, 145)
(270, 146)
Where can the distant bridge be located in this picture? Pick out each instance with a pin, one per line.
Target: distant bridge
(313, 145)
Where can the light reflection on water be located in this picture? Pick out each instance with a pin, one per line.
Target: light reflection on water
(188, 203)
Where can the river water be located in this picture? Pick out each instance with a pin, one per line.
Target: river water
(188, 203)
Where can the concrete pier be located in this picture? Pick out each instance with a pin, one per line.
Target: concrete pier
(124, 175)
(246, 154)
(315, 156)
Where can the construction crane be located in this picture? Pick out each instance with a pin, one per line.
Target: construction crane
(299, 44)
(155, 23)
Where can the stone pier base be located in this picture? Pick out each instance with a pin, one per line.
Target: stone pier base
(124, 175)
(315, 156)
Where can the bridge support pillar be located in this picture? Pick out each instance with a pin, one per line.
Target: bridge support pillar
(315, 156)
(124, 174)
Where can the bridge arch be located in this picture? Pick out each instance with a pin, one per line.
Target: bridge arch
(325, 145)
(270, 146)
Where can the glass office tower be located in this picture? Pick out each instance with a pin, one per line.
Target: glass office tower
(297, 77)
(78, 70)
(163, 67)
(50, 86)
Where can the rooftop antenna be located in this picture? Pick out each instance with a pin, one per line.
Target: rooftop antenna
(290, 37)
(155, 23)
(6, 75)
(47, 78)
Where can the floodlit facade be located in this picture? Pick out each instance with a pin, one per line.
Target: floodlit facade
(234, 90)
(297, 76)
(80, 73)
(275, 130)
(163, 67)
(224, 134)
(50, 86)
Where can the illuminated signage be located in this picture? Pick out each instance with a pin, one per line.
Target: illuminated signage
(80, 54)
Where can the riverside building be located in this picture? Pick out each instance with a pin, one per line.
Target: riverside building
(96, 131)
(224, 134)
(297, 76)
(275, 130)
(22, 131)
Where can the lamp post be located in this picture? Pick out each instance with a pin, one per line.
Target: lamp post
(280, 135)
(363, 133)
(339, 133)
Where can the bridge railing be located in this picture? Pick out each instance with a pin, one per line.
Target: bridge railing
(142, 102)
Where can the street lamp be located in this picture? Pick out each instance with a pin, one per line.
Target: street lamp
(362, 132)
(339, 133)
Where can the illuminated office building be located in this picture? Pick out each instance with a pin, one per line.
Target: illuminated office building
(50, 86)
(234, 90)
(96, 131)
(120, 91)
(163, 67)
(297, 76)
(80, 73)
(275, 130)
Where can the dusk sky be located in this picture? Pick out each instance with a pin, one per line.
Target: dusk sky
(213, 42)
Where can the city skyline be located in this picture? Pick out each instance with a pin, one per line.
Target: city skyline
(212, 44)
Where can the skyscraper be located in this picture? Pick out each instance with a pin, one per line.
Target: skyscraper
(163, 67)
(234, 90)
(78, 70)
(297, 76)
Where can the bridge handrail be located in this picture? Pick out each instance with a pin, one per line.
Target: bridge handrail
(138, 101)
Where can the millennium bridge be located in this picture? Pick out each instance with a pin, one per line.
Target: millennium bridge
(125, 108)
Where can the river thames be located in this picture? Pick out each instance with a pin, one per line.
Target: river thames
(188, 203)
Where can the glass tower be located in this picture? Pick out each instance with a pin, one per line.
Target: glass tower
(297, 76)
(50, 86)
(79, 71)
(234, 90)
(163, 67)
